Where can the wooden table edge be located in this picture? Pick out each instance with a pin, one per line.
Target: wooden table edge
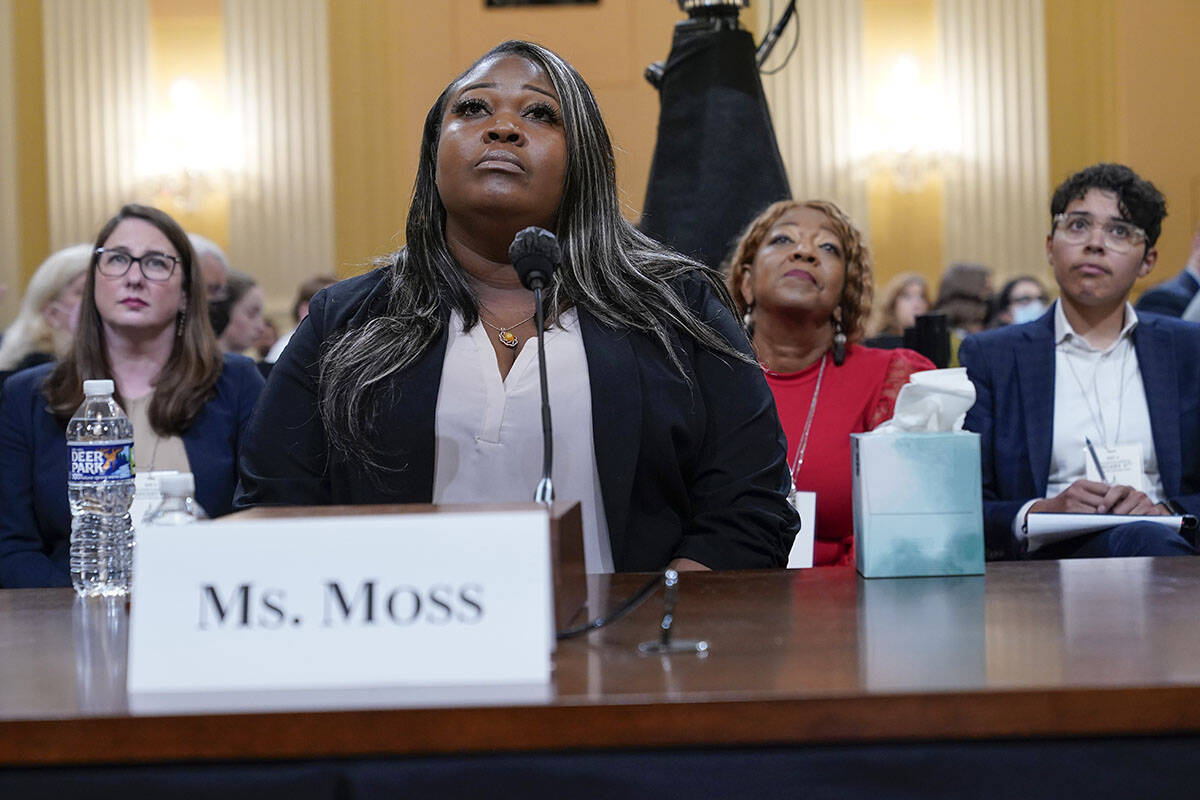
(788, 722)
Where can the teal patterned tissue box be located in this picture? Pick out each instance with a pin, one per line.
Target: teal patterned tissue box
(918, 505)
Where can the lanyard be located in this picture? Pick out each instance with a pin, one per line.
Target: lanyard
(812, 410)
(1097, 414)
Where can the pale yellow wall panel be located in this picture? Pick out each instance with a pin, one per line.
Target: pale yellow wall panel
(1081, 83)
(1123, 77)
(29, 87)
(906, 223)
(11, 281)
(186, 42)
(390, 59)
(1159, 108)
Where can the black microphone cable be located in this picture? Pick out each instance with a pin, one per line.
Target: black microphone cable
(622, 610)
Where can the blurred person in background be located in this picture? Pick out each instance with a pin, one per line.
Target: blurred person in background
(266, 340)
(1021, 300)
(49, 311)
(214, 266)
(238, 319)
(307, 291)
(905, 298)
(965, 297)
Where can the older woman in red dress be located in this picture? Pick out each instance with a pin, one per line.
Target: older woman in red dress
(801, 278)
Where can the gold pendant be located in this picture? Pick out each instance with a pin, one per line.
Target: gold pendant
(507, 338)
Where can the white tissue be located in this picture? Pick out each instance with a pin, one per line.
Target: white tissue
(936, 400)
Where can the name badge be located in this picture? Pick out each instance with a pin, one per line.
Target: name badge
(450, 598)
(1122, 465)
(805, 504)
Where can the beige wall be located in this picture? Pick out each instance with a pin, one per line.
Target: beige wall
(186, 41)
(389, 60)
(31, 134)
(1124, 78)
(905, 221)
(1122, 83)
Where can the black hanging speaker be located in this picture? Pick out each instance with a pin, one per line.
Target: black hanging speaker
(716, 162)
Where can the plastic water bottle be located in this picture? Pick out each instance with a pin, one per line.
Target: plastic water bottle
(178, 506)
(100, 489)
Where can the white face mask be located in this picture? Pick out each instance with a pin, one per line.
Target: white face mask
(1028, 312)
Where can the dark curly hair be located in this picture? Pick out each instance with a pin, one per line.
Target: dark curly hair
(1138, 199)
(859, 285)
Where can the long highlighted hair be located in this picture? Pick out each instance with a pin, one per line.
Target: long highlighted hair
(619, 275)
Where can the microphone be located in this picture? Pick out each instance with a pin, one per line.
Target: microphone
(535, 255)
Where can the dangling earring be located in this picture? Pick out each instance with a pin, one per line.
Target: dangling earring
(839, 343)
(179, 324)
(748, 320)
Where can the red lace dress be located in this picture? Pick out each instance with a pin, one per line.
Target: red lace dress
(855, 397)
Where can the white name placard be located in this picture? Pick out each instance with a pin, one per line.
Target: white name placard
(456, 598)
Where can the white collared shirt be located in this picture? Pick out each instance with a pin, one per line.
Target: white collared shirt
(489, 431)
(1098, 395)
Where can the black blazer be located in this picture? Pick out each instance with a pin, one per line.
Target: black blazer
(1013, 372)
(690, 466)
(1170, 297)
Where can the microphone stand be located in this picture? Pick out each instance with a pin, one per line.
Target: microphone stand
(534, 254)
(544, 493)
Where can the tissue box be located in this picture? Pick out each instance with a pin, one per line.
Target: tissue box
(918, 504)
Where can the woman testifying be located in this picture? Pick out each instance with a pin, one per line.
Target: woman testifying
(418, 381)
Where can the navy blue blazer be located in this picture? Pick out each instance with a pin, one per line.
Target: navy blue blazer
(35, 517)
(1170, 297)
(1013, 372)
(691, 467)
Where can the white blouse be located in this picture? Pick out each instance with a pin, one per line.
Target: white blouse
(489, 431)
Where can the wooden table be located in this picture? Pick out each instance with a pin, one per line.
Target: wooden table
(1040, 650)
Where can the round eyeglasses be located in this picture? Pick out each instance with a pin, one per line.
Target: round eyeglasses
(1119, 236)
(155, 266)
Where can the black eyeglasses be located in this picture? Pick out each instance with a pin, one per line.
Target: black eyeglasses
(155, 266)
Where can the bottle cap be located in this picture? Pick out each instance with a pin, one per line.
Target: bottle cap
(92, 388)
(178, 484)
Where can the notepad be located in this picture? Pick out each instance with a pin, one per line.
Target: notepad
(1047, 527)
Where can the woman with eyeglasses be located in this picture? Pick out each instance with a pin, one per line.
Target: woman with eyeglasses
(1022, 299)
(143, 323)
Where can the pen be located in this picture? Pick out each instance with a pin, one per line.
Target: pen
(1096, 460)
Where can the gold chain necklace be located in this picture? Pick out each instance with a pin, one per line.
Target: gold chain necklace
(505, 334)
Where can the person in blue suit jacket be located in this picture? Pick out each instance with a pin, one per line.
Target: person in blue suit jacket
(418, 381)
(144, 324)
(1091, 375)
